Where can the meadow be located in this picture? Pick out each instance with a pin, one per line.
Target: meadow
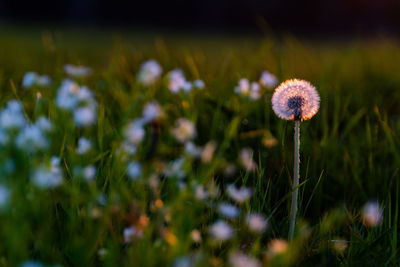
(146, 175)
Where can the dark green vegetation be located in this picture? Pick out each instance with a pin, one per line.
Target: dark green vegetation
(350, 151)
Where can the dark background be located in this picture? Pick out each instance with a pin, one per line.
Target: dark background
(323, 17)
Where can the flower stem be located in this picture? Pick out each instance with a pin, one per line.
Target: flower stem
(296, 175)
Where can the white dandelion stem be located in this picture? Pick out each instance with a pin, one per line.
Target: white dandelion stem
(296, 175)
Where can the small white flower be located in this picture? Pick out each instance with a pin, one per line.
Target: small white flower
(29, 79)
(192, 150)
(84, 116)
(228, 210)
(176, 80)
(77, 71)
(44, 124)
(199, 84)
(134, 170)
(255, 89)
(184, 130)
(239, 195)
(149, 72)
(243, 87)
(201, 193)
(152, 111)
(31, 139)
(12, 117)
(89, 172)
(134, 132)
(84, 145)
(48, 175)
(221, 231)
(256, 222)
(372, 214)
(268, 80)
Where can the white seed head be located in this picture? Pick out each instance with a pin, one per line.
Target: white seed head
(295, 100)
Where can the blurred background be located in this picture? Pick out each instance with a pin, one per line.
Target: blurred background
(308, 17)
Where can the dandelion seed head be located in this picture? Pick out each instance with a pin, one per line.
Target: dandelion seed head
(295, 100)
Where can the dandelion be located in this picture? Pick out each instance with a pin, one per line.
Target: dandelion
(295, 100)
(246, 158)
(268, 80)
(239, 259)
(239, 195)
(184, 130)
(77, 71)
(149, 72)
(372, 214)
(228, 210)
(256, 222)
(221, 231)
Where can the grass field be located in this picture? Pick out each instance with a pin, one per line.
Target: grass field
(160, 204)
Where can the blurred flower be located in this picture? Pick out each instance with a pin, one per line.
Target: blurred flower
(174, 169)
(31, 263)
(134, 170)
(77, 71)
(196, 236)
(199, 84)
(268, 80)
(228, 210)
(48, 175)
(295, 100)
(84, 116)
(31, 139)
(208, 151)
(4, 196)
(277, 246)
(152, 111)
(243, 88)
(44, 124)
(134, 132)
(221, 231)
(4, 138)
(102, 252)
(130, 233)
(201, 193)
(32, 78)
(269, 141)
(372, 214)
(176, 80)
(12, 117)
(239, 195)
(84, 145)
(89, 172)
(256, 222)
(255, 91)
(149, 72)
(184, 130)
(192, 150)
(246, 158)
(239, 259)
(29, 79)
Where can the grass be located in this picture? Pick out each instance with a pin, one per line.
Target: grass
(350, 151)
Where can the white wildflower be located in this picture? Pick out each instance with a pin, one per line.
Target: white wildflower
(152, 111)
(228, 210)
(134, 170)
(268, 80)
(239, 195)
(239, 259)
(149, 72)
(199, 84)
(256, 222)
(221, 231)
(246, 158)
(48, 175)
(184, 130)
(84, 145)
(372, 214)
(77, 71)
